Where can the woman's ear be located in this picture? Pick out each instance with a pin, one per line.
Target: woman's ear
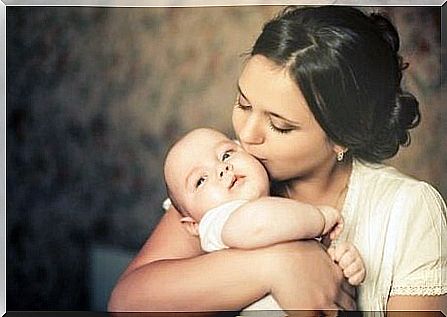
(339, 148)
(191, 225)
(339, 151)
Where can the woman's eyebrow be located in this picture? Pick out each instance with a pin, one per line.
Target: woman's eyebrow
(267, 112)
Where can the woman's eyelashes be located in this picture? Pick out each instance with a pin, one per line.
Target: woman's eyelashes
(242, 107)
(242, 103)
(278, 129)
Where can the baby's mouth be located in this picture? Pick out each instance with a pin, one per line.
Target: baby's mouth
(235, 181)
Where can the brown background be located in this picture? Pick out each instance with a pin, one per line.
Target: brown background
(94, 97)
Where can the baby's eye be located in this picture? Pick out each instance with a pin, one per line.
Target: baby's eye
(226, 155)
(200, 181)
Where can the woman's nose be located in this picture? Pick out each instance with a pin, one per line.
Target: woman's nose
(251, 132)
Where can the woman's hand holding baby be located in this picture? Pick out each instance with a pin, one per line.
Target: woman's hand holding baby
(295, 269)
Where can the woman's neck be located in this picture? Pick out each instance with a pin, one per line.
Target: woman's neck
(328, 186)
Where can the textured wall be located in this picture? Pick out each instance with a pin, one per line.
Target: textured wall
(95, 96)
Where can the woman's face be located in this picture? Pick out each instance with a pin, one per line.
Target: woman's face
(274, 123)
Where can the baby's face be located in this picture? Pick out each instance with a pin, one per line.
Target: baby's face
(207, 169)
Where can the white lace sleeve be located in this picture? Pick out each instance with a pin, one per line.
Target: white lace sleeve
(421, 252)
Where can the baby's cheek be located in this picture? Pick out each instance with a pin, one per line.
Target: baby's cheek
(214, 198)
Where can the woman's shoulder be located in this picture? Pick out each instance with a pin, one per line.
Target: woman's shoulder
(378, 191)
(381, 181)
(374, 174)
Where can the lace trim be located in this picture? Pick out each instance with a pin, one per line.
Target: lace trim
(419, 290)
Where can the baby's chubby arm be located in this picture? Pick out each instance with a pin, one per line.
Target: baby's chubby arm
(270, 220)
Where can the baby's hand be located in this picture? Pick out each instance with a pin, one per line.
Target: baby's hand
(333, 221)
(348, 258)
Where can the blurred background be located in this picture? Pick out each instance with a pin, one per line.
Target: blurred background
(94, 98)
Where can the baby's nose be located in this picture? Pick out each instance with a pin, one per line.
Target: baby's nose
(226, 169)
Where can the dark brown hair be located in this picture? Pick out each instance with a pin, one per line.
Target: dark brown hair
(347, 65)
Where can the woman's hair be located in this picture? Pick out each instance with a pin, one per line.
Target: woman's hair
(347, 66)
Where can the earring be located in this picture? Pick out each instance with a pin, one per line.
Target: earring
(340, 156)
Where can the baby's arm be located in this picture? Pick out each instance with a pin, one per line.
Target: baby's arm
(270, 220)
(348, 258)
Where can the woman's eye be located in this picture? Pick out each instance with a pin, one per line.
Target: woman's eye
(243, 105)
(200, 181)
(226, 155)
(280, 130)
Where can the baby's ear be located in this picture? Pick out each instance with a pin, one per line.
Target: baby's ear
(191, 225)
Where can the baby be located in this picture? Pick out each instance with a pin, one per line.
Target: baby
(222, 192)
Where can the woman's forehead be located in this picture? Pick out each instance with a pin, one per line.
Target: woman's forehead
(271, 88)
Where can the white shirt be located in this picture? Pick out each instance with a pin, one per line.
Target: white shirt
(399, 226)
(212, 223)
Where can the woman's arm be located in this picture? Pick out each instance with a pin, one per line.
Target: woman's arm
(269, 220)
(419, 280)
(417, 303)
(170, 273)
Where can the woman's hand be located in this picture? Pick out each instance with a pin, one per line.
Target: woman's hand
(306, 278)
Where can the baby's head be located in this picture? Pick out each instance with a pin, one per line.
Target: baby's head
(205, 169)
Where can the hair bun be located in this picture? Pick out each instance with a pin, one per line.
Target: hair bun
(406, 116)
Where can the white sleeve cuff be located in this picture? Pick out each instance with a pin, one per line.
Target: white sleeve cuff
(212, 223)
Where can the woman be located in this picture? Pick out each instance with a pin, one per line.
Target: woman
(320, 105)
